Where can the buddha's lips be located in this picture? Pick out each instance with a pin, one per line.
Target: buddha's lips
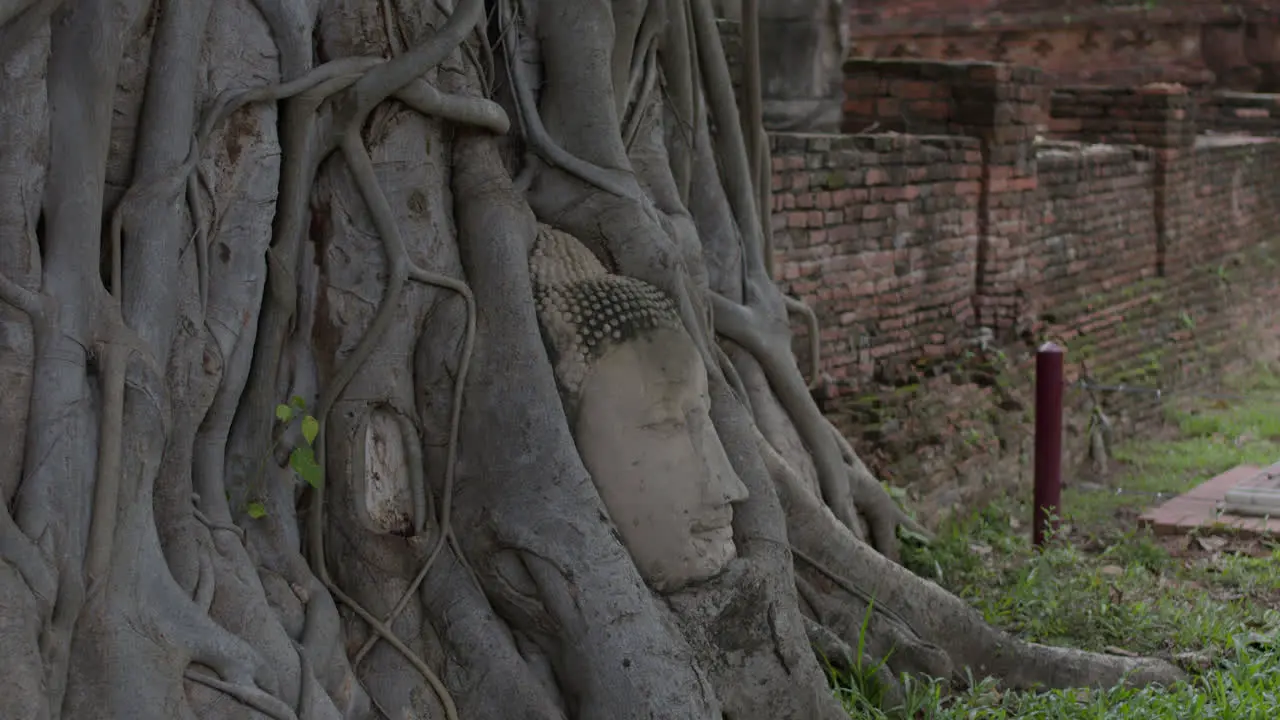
(714, 522)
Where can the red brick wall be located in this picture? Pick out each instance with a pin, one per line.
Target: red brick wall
(878, 233)
(958, 98)
(1000, 105)
(1247, 113)
(1153, 115)
(1234, 199)
(1198, 42)
(877, 16)
(1153, 260)
(1097, 225)
(1158, 116)
(906, 244)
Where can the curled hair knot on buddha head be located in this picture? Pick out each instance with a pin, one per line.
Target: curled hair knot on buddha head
(584, 311)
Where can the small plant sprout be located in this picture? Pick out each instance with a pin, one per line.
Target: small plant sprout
(303, 457)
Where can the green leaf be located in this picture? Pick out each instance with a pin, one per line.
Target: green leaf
(284, 413)
(303, 462)
(256, 510)
(310, 429)
(298, 402)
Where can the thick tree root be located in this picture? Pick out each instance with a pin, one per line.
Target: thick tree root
(368, 89)
(21, 616)
(743, 325)
(401, 270)
(760, 324)
(799, 307)
(932, 615)
(536, 133)
(250, 696)
(24, 20)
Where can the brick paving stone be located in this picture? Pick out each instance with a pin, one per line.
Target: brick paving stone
(1198, 509)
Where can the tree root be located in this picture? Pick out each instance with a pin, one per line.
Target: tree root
(680, 73)
(760, 326)
(74, 315)
(251, 425)
(474, 111)
(253, 697)
(375, 87)
(275, 536)
(236, 424)
(833, 651)
(324, 80)
(400, 271)
(155, 313)
(106, 491)
(371, 82)
(25, 19)
(12, 8)
(28, 301)
(764, 199)
(170, 619)
(17, 550)
(212, 525)
(782, 473)
(317, 85)
(732, 377)
(736, 170)
(887, 512)
(932, 615)
(742, 325)
(365, 94)
(535, 133)
(751, 91)
(643, 86)
(442, 693)
(799, 307)
(746, 325)
(828, 645)
(481, 647)
(743, 669)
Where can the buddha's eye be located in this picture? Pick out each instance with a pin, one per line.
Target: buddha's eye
(668, 425)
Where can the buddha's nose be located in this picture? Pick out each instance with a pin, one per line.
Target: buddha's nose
(732, 487)
(723, 484)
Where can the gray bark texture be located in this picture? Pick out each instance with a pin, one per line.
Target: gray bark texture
(212, 208)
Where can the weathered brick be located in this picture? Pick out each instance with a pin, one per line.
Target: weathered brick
(915, 89)
(885, 230)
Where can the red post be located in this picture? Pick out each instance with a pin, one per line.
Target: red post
(1048, 478)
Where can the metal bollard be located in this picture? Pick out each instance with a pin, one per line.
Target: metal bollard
(1048, 458)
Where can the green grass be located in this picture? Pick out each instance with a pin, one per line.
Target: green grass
(1103, 585)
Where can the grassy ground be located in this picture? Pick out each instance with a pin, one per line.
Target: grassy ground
(1212, 604)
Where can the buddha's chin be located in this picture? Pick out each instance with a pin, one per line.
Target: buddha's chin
(706, 555)
(714, 549)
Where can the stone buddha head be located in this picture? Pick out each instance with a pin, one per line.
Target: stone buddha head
(635, 390)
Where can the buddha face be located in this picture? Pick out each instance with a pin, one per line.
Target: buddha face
(644, 431)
